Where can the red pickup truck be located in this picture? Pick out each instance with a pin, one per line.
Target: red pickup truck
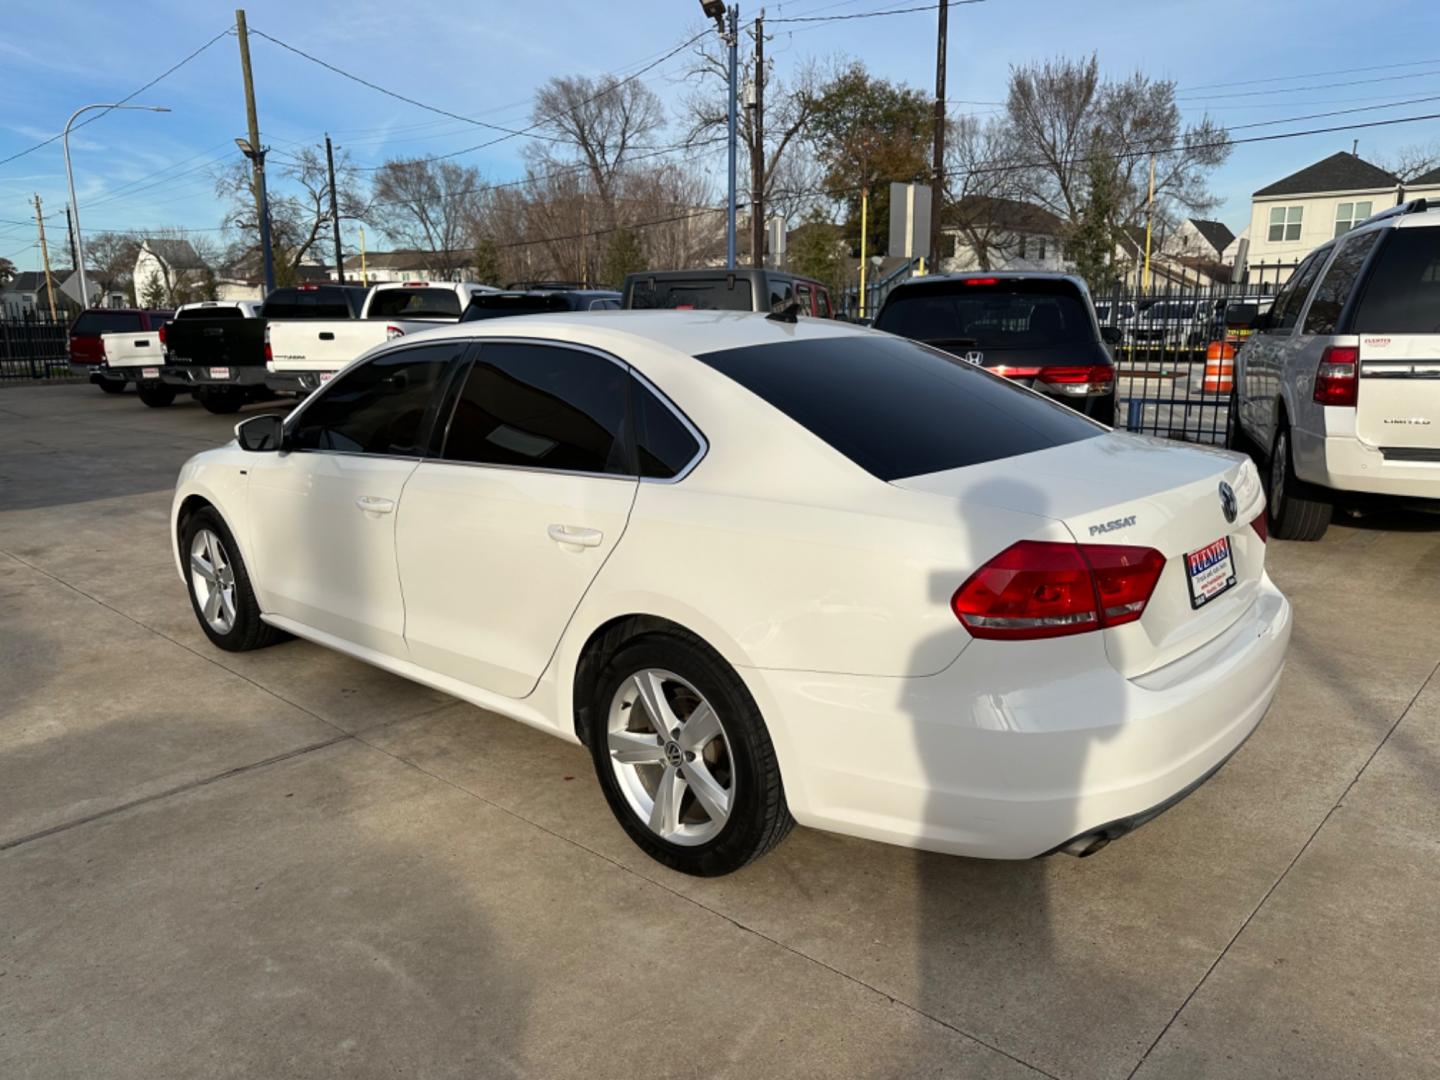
(87, 350)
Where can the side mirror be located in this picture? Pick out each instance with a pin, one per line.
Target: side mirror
(1242, 317)
(261, 433)
(1111, 335)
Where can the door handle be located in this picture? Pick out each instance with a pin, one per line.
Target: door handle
(574, 534)
(373, 504)
(326, 335)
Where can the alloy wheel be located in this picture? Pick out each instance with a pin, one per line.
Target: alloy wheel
(671, 757)
(212, 577)
(1278, 461)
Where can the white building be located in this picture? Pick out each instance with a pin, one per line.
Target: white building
(170, 266)
(1002, 234)
(1297, 214)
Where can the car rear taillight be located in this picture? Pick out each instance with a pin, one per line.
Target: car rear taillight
(1015, 372)
(161, 332)
(269, 355)
(1042, 589)
(1337, 378)
(981, 281)
(392, 332)
(1261, 527)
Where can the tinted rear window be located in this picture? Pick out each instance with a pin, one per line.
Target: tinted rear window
(321, 303)
(106, 322)
(415, 304)
(1403, 293)
(210, 313)
(492, 306)
(1007, 315)
(718, 293)
(897, 408)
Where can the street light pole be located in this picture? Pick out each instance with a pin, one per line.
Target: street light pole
(733, 36)
(70, 179)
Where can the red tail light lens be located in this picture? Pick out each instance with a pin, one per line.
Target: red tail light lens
(1337, 378)
(981, 281)
(1015, 372)
(1040, 589)
(1096, 373)
(392, 332)
(161, 332)
(1261, 527)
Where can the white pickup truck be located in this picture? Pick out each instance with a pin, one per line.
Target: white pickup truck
(312, 331)
(137, 356)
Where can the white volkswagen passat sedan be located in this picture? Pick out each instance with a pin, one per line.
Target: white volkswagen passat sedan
(766, 571)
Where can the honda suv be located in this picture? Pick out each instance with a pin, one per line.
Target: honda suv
(1038, 329)
(1339, 388)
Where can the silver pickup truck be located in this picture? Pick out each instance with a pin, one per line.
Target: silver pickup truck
(1338, 390)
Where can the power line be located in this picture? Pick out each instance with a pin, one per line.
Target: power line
(133, 94)
(1333, 112)
(1314, 86)
(866, 14)
(1307, 75)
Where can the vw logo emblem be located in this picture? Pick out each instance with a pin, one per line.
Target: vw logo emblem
(1228, 505)
(674, 755)
(976, 358)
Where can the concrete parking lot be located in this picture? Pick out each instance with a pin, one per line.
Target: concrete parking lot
(286, 863)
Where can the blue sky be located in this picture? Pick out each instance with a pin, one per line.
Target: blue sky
(138, 170)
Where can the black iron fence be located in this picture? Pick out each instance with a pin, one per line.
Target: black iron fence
(1174, 360)
(33, 345)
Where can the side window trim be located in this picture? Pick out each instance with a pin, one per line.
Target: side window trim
(632, 453)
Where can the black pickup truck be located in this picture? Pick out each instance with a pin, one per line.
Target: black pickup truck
(216, 349)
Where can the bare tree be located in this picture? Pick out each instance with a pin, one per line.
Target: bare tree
(789, 176)
(110, 260)
(430, 206)
(299, 196)
(1411, 161)
(604, 119)
(982, 189)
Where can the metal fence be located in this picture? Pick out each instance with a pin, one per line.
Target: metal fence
(33, 345)
(1166, 382)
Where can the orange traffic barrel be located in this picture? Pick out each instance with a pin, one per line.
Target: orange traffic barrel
(1219, 367)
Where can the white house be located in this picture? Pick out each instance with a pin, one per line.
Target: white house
(1426, 186)
(168, 265)
(1294, 215)
(380, 266)
(989, 233)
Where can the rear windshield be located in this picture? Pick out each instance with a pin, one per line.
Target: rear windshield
(415, 304)
(106, 322)
(897, 408)
(1006, 315)
(719, 293)
(218, 312)
(1403, 293)
(321, 303)
(498, 305)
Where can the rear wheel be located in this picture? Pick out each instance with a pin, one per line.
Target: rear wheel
(684, 757)
(154, 394)
(111, 386)
(221, 400)
(1297, 510)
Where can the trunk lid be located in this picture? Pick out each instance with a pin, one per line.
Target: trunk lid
(139, 349)
(1132, 490)
(1398, 400)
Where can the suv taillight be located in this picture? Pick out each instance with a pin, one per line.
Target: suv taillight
(1079, 381)
(1042, 589)
(1337, 378)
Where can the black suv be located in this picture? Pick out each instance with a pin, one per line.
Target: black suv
(539, 299)
(1038, 329)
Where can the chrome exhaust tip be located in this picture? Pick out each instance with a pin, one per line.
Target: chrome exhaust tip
(1083, 846)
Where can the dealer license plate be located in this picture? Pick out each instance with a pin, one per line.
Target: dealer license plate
(219, 373)
(1211, 571)
(149, 372)
(326, 376)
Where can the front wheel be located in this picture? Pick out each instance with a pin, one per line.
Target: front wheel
(684, 757)
(1297, 510)
(219, 585)
(156, 395)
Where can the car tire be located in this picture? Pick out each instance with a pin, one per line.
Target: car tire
(221, 402)
(1296, 510)
(219, 586)
(705, 799)
(156, 395)
(111, 386)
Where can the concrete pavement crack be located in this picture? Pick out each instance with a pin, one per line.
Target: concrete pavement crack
(1285, 873)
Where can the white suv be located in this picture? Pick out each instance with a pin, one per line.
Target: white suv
(1339, 389)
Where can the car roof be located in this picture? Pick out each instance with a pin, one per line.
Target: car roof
(689, 332)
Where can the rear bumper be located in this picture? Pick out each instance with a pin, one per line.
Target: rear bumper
(1344, 463)
(195, 376)
(1009, 757)
(97, 372)
(296, 382)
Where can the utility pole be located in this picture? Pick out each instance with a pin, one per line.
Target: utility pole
(937, 188)
(256, 152)
(864, 255)
(1149, 220)
(733, 39)
(364, 274)
(45, 257)
(757, 151)
(334, 211)
(70, 232)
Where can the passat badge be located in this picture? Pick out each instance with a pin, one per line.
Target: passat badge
(1228, 505)
(1112, 526)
